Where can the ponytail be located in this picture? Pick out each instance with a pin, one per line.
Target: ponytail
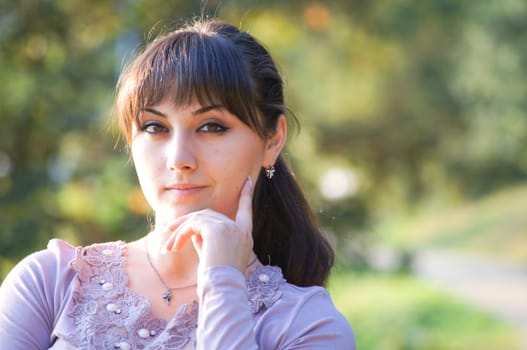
(285, 230)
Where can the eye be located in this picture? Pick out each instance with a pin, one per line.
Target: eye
(213, 128)
(154, 128)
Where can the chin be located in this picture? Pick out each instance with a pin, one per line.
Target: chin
(175, 211)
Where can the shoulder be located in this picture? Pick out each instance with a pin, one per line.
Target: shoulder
(37, 293)
(35, 289)
(50, 270)
(304, 316)
(267, 282)
(44, 265)
(311, 304)
(98, 256)
(44, 274)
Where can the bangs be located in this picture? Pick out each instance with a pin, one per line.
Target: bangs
(188, 66)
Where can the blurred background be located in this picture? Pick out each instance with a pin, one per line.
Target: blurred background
(412, 149)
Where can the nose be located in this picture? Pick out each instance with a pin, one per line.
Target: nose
(180, 154)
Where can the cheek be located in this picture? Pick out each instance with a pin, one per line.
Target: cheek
(147, 158)
(240, 163)
(231, 169)
(148, 167)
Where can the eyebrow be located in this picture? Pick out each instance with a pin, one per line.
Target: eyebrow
(198, 111)
(154, 111)
(205, 109)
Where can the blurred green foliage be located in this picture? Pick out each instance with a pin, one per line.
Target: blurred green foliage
(411, 99)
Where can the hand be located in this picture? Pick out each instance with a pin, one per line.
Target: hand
(218, 240)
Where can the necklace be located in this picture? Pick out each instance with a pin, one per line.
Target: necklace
(167, 294)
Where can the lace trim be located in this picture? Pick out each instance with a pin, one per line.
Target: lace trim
(108, 315)
(263, 287)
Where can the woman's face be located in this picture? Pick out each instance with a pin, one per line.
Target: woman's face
(196, 157)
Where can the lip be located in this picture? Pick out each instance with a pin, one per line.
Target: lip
(185, 192)
(184, 187)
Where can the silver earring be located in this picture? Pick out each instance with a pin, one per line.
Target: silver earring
(269, 171)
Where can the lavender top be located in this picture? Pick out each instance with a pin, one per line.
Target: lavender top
(77, 298)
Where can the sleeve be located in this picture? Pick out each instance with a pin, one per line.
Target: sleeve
(305, 318)
(225, 319)
(29, 302)
(317, 324)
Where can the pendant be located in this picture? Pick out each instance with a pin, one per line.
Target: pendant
(167, 296)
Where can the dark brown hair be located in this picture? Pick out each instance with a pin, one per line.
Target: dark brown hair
(216, 63)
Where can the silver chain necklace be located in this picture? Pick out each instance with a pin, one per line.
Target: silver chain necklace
(167, 295)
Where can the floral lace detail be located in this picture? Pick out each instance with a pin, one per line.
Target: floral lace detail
(109, 315)
(263, 287)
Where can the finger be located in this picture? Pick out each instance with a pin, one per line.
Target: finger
(180, 220)
(184, 233)
(176, 228)
(180, 235)
(244, 215)
(167, 247)
(174, 225)
(197, 240)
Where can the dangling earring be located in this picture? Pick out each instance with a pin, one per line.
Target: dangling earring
(269, 171)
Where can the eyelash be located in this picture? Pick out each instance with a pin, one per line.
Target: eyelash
(219, 129)
(147, 127)
(157, 128)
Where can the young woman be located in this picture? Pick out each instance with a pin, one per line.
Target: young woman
(235, 259)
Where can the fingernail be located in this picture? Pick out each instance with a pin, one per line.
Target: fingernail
(250, 181)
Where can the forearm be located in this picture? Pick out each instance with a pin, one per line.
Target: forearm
(225, 319)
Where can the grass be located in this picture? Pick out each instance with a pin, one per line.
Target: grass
(390, 312)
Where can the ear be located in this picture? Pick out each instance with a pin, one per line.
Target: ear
(275, 143)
